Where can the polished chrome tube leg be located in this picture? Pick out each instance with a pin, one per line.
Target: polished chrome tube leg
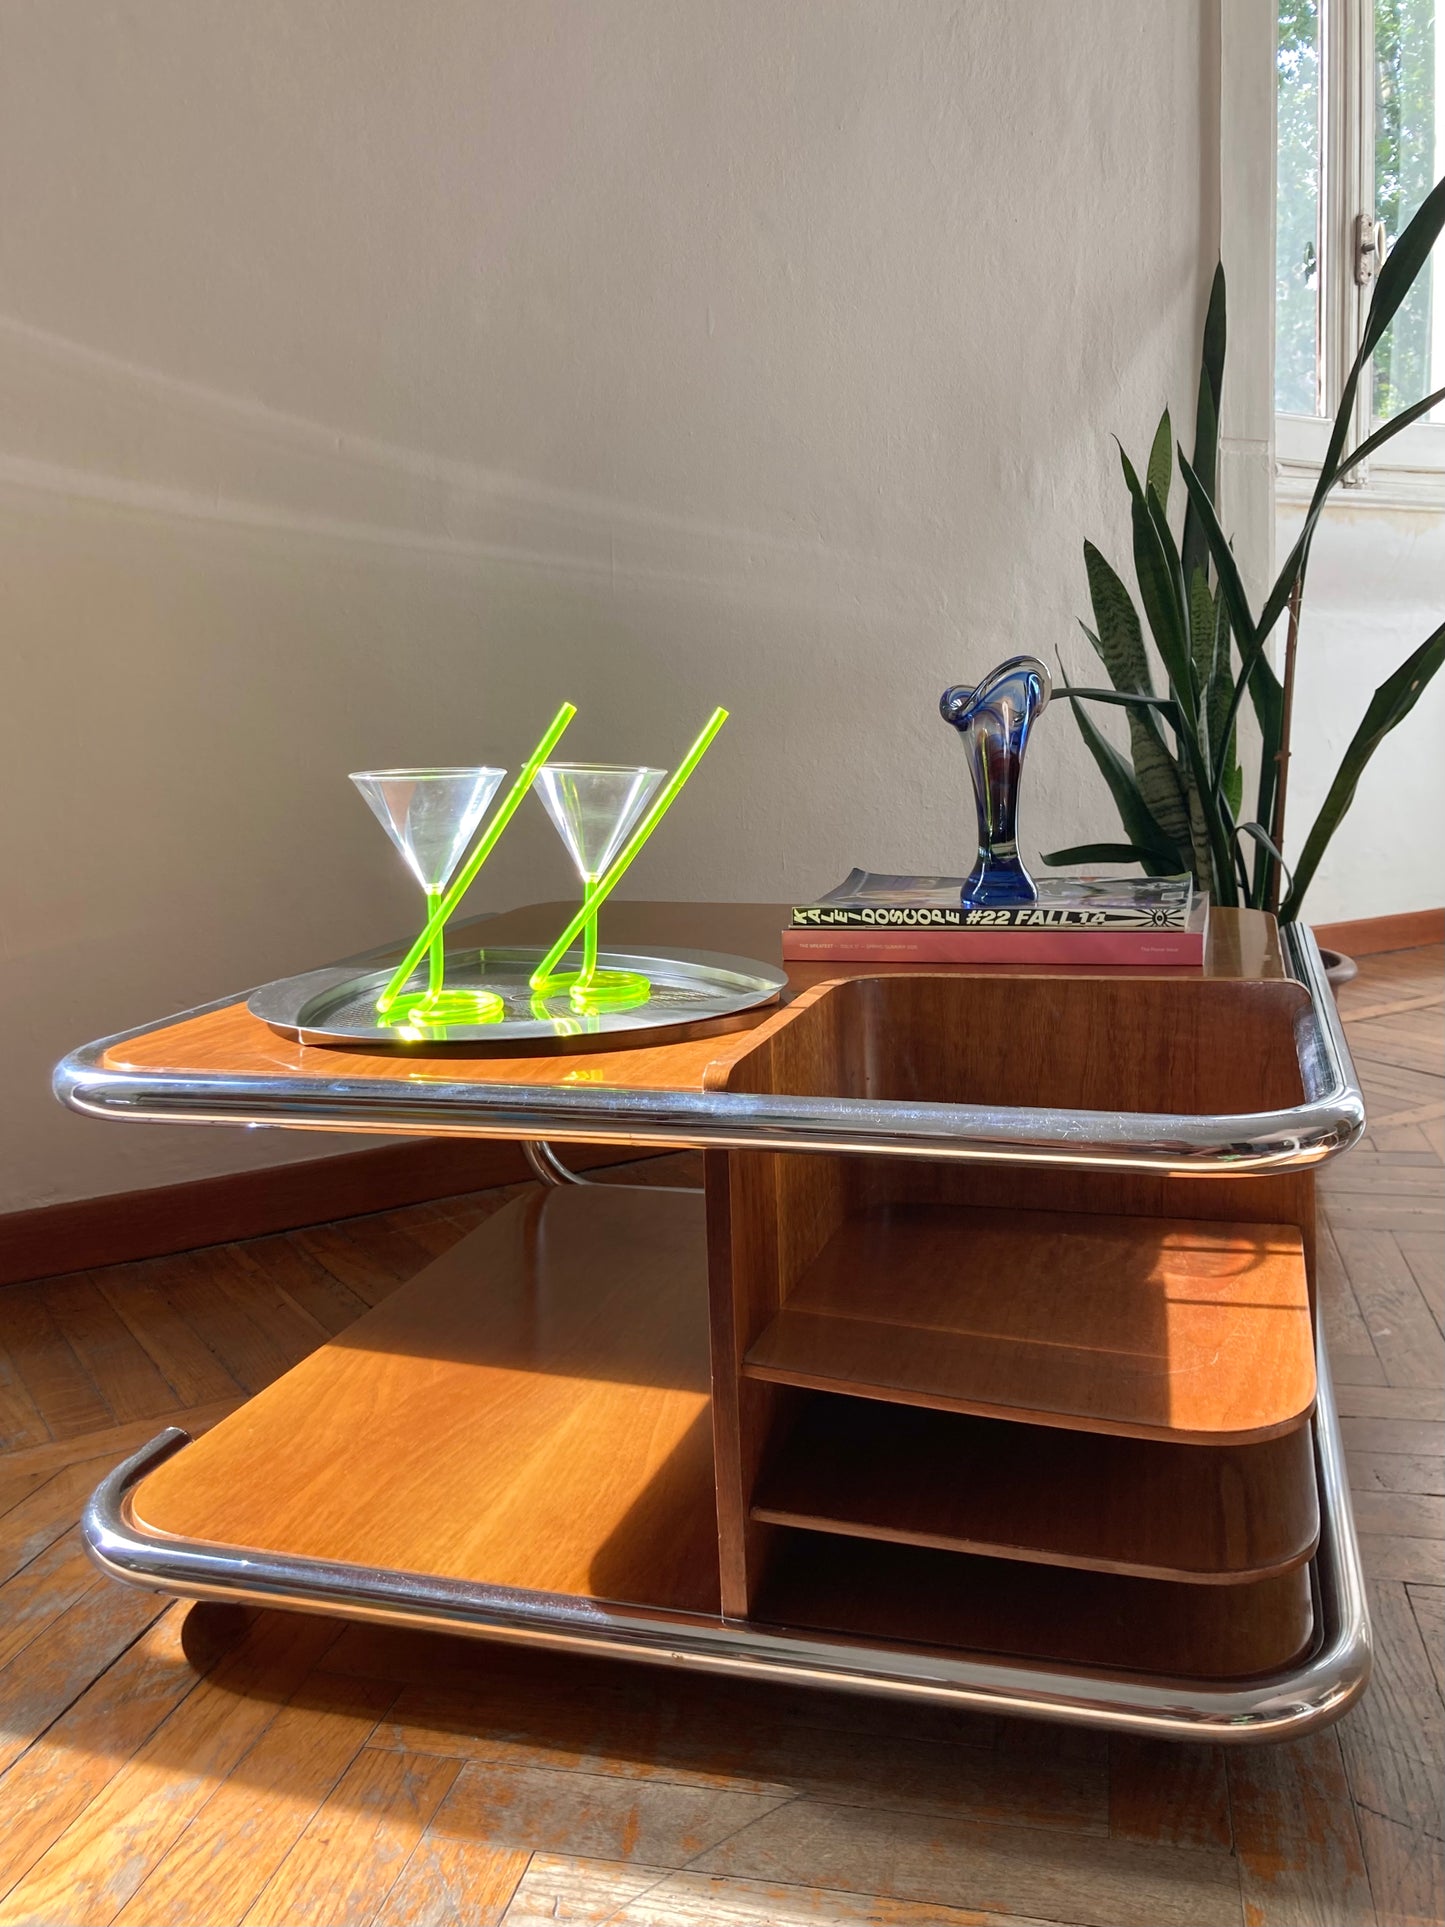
(547, 1165)
(551, 1170)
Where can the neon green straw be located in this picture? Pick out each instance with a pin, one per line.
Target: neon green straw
(437, 954)
(593, 898)
(444, 905)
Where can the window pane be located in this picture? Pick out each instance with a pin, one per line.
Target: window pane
(1408, 160)
(1297, 210)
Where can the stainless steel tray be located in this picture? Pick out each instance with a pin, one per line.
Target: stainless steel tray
(689, 987)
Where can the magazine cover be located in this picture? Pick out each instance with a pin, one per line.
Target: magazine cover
(871, 900)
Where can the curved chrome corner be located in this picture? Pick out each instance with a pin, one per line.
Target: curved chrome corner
(1282, 1706)
(1346, 1650)
(1331, 1083)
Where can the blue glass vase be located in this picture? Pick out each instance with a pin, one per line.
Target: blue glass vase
(993, 722)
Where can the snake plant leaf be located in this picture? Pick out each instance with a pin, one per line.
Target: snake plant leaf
(1179, 596)
(1224, 747)
(1202, 849)
(1120, 639)
(1220, 679)
(1298, 556)
(1161, 460)
(1255, 673)
(1203, 622)
(1266, 692)
(1266, 842)
(1119, 643)
(1234, 786)
(1162, 856)
(1402, 264)
(1160, 782)
(1102, 853)
(1132, 699)
(1194, 548)
(1231, 584)
(1211, 358)
(1388, 707)
(1157, 565)
(1209, 636)
(1392, 284)
(1388, 429)
(1158, 591)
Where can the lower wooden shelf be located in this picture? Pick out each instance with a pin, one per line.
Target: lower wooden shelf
(533, 1415)
(1214, 1515)
(1179, 1329)
(946, 1599)
(531, 1412)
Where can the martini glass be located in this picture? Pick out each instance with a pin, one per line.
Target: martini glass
(431, 815)
(593, 807)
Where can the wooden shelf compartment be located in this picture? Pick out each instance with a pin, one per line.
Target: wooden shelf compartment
(916, 1596)
(1180, 1043)
(957, 1285)
(1186, 1330)
(531, 1412)
(1203, 1515)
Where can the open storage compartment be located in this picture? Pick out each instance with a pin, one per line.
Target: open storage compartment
(1003, 1383)
(902, 1474)
(529, 1414)
(996, 1606)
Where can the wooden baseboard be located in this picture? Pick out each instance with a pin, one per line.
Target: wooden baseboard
(60, 1238)
(1370, 935)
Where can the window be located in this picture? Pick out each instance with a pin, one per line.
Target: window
(1360, 92)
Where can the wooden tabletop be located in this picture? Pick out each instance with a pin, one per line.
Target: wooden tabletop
(230, 1042)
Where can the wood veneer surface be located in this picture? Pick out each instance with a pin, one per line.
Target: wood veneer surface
(1243, 944)
(1150, 1327)
(531, 1411)
(922, 1597)
(1208, 1515)
(1181, 1044)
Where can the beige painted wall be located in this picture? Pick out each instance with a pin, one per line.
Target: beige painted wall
(371, 377)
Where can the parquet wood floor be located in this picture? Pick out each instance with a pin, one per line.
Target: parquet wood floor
(169, 1764)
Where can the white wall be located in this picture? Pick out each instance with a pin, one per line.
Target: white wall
(371, 377)
(1375, 591)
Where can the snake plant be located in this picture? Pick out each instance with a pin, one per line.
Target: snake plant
(1180, 792)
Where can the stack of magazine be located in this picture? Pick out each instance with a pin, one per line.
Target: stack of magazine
(1110, 921)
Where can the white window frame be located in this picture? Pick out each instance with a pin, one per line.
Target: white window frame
(1412, 467)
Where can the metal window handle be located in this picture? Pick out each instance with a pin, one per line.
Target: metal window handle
(1371, 246)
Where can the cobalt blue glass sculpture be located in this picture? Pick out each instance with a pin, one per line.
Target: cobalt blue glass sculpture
(993, 721)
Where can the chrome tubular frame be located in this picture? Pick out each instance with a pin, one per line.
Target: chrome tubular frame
(548, 1167)
(1329, 1120)
(1310, 1693)
(1278, 1706)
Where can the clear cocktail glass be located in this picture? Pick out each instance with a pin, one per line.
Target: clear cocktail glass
(594, 807)
(431, 816)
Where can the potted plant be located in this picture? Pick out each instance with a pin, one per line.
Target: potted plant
(1180, 793)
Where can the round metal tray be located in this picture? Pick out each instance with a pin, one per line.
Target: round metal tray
(689, 988)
